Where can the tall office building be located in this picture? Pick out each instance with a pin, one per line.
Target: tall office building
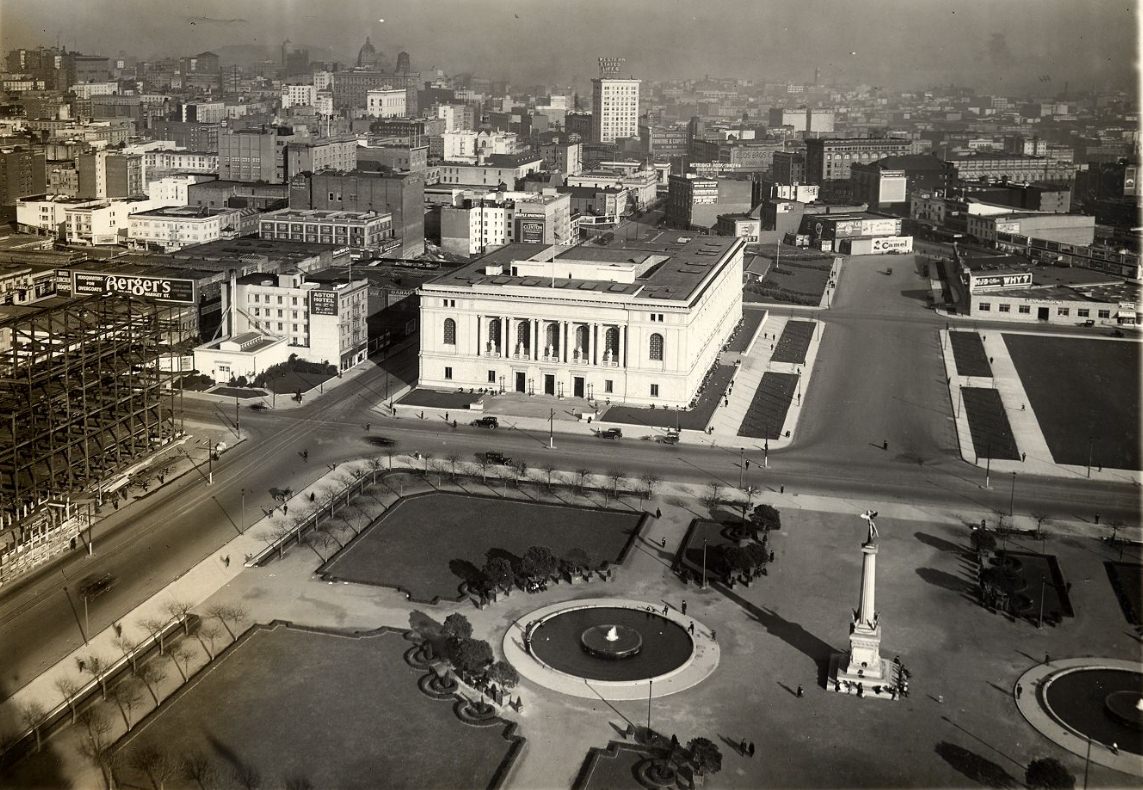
(615, 109)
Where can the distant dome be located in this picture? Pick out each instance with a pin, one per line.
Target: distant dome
(367, 55)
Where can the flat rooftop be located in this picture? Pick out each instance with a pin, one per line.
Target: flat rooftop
(319, 215)
(677, 266)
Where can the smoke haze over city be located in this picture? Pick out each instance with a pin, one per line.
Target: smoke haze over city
(1014, 45)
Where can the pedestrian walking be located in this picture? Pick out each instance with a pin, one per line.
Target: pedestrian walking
(663, 542)
(666, 608)
(1023, 406)
(885, 444)
(1022, 457)
(312, 496)
(771, 559)
(742, 747)
(658, 513)
(1114, 747)
(1096, 518)
(750, 748)
(782, 488)
(713, 635)
(801, 692)
(1047, 658)
(305, 455)
(81, 663)
(368, 425)
(118, 628)
(683, 608)
(1019, 690)
(446, 416)
(691, 628)
(285, 509)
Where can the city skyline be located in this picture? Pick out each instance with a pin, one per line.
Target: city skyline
(1013, 47)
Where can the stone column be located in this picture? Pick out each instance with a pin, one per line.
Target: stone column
(565, 327)
(868, 609)
(479, 323)
(594, 336)
(623, 346)
(536, 339)
(508, 342)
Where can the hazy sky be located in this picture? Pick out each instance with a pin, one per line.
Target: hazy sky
(995, 45)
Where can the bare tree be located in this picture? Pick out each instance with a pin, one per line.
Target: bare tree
(276, 536)
(97, 668)
(95, 744)
(317, 540)
(427, 457)
(748, 500)
(521, 469)
(453, 460)
(178, 610)
(329, 499)
(581, 476)
(649, 480)
(374, 464)
(181, 656)
(198, 768)
(154, 626)
(152, 675)
(389, 454)
(713, 495)
(482, 459)
(235, 613)
(68, 688)
(126, 695)
(507, 475)
(156, 763)
(32, 714)
(548, 468)
(127, 647)
(615, 475)
(207, 634)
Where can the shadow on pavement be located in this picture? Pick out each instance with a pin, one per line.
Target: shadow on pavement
(978, 769)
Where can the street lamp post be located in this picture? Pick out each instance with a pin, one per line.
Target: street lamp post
(1043, 586)
(237, 419)
(1090, 443)
(210, 463)
(243, 527)
(86, 621)
(1012, 498)
(704, 542)
(988, 467)
(741, 465)
(552, 429)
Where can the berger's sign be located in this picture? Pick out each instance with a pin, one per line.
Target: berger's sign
(162, 289)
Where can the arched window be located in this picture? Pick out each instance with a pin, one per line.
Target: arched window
(656, 347)
(449, 332)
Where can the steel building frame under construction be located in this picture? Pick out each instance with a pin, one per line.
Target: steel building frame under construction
(82, 394)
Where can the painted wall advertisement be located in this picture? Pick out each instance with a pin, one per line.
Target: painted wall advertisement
(893, 244)
(323, 303)
(530, 229)
(161, 289)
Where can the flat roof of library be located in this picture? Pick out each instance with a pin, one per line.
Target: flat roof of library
(677, 267)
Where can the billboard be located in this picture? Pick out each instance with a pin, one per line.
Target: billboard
(63, 282)
(982, 281)
(880, 227)
(892, 244)
(530, 229)
(161, 289)
(323, 303)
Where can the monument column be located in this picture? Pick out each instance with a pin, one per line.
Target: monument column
(863, 672)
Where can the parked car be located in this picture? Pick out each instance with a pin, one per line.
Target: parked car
(94, 586)
(1088, 323)
(259, 406)
(493, 457)
(611, 433)
(485, 422)
(670, 437)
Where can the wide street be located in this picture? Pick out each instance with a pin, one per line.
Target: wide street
(879, 378)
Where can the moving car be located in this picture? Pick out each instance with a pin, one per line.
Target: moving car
(94, 586)
(670, 437)
(485, 422)
(611, 433)
(493, 457)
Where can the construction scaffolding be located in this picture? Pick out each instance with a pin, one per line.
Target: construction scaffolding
(82, 396)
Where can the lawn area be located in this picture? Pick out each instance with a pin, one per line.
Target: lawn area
(797, 279)
(794, 342)
(431, 399)
(428, 545)
(336, 711)
(239, 392)
(693, 419)
(988, 423)
(751, 320)
(292, 381)
(768, 409)
(1041, 572)
(611, 767)
(1085, 394)
(1127, 580)
(968, 352)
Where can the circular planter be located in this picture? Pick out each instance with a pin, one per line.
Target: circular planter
(475, 714)
(438, 687)
(655, 773)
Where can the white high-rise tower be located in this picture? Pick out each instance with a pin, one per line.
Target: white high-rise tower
(614, 109)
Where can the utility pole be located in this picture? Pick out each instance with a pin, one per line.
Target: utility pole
(704, 542)
(741, 465)
(552, 429)
(242, 528)
(988, 466)
(1012, 498)
(237, 420)
(1090, 443)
